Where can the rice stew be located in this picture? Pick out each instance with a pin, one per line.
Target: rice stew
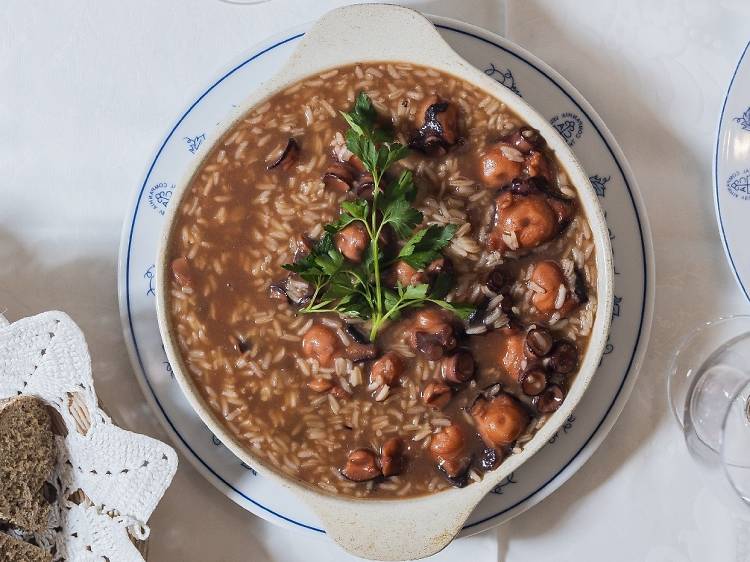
(437, 398)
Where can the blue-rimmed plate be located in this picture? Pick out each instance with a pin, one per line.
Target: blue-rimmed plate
(732, 172)
(575, 120)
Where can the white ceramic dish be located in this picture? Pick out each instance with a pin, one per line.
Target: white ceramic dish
(732, 172)
(549, 93)
(419, 526)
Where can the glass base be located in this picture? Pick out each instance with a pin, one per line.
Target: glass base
(709, 394)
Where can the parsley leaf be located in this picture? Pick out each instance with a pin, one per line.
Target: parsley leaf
(463, 311)
(415, 292)
(354, 305)
(358, 210)
(371, 143)
(402, 217)
(424, 246)
(391, 299)
(402, 188)
(441, 285)
(362, 118)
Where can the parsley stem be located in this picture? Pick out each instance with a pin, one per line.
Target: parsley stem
(375, 254)
(398, 307)
(311, 304)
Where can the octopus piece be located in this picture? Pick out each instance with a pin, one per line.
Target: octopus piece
(437, 395)
(496, 280)
(439, 128)
(525, 140)
(457, 368)
(551, 292)
(181, 272)
(358, 165)
(361, 466)
(352, 241)
(321, 343)
(284, 158)
(491, 314)
(563, 358)
(533, 381)
(527, 215)
(530, 144)
(432, 321)
(581, 291)
(430, 332)
(364, 185)
(358, 352)
(537, 164)
(387, 369)
(404, 274)
(499, 283)
(499, 419)
(295, 290)
(349, 176)
(499, 164)
(521, 222)
(339, 392)
(448, 450)
(356, 334)
(539, 342)
(392, 457)
(340, 177)
(490, 458)
(549, 400)
(301, 247)
(359, 348)
(439, 265)
(512, 352)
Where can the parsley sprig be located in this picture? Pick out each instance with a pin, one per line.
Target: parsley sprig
(357, 289)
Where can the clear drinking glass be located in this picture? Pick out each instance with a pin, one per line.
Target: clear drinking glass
(709, 392)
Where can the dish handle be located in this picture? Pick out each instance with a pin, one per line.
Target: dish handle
(347, 36)
(395, 529)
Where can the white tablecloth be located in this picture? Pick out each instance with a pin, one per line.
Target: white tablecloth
(87, 89)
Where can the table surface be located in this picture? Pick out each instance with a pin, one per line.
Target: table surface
(89, 88)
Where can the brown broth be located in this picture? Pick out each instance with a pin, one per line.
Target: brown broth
(238, 222)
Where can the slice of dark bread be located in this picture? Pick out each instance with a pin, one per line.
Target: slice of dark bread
(14, 550)
(27, 458)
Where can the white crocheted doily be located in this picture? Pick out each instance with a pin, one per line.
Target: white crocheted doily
(122, 474)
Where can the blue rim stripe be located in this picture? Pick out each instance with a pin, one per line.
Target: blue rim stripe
(724, 240)
(257, 55)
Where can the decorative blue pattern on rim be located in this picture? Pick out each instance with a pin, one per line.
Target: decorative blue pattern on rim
(503, 76)
(744, 120)
(724, 241)
(599, 184)
(583, 112)
(194, 143)
(508, 480)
